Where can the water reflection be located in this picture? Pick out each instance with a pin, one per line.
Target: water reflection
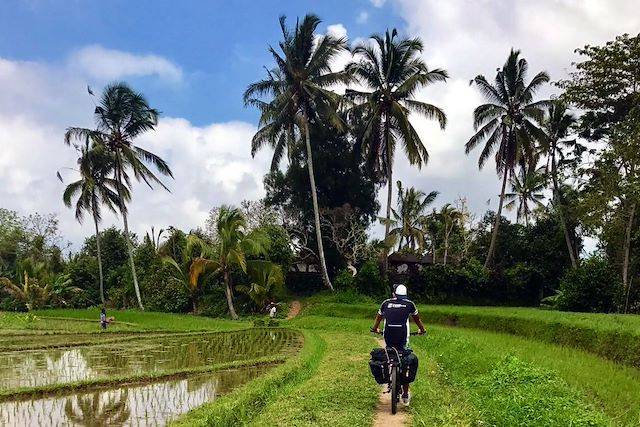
(147, 405)
(143, 356)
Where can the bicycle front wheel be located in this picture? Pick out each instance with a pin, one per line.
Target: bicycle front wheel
(394, 389)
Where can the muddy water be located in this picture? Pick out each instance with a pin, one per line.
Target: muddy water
(144, 356)
(145, 405)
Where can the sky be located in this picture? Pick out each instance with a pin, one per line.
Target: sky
(194, 59)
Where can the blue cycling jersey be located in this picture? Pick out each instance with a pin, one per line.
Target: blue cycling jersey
(396, 313)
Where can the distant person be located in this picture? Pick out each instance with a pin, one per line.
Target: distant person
(396, 312)
(272, 309)
(103, 318)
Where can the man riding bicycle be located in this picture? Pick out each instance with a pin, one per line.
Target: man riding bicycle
(396, 312)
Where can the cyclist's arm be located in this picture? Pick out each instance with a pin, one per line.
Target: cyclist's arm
(379, 318)
(418, 321)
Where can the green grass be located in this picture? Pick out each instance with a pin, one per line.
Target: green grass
(243, 405)
(614, 336)
(87, 321)
(467, 376)
(574, 379)
(341, 393)
(494, 371)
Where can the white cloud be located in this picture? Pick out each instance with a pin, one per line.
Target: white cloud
(378, 3)
(362, 17)
(212, 164)
(337, 30)
(110, 64)
(468, 38)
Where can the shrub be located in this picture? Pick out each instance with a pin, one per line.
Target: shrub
(522, 285)
(455, 285)
(344, 281)
(368, 281)
(159, 293)
(303, 283)
(591, 287)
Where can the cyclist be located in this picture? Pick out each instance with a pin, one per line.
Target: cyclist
(396, 312)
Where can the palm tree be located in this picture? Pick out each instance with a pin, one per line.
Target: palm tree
(265, 277)
(36, 286)
(507, 123)
(192, 271)
(393, 71)
(93, 411)
(527, 187)
(121, 116)
(412, 205)
(234, 244)
(94, 189)
(299, 94)
(450, 217)
(557, 125)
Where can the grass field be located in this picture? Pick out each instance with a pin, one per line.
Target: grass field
(467, 376)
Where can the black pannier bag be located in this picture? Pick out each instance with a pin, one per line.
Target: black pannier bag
(379, 364)
(409, 368)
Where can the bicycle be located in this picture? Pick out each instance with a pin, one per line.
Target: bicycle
(394, 385)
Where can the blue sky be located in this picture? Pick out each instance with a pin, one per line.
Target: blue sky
(194, 59)
(221, 46)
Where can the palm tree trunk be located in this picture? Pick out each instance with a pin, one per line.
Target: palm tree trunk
(496, 224)
(627, 247)
(446, 246)
(560, 207)
(316, 211)
(127, 236)
(389, 196)
(227, 288)
(446, 252)
(95, 221)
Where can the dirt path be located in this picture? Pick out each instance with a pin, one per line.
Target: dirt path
(294, 310)
(383, 417)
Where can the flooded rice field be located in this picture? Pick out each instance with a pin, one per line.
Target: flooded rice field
(153, 404)
(36, 368)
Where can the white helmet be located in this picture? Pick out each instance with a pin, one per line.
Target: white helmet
(401, 290)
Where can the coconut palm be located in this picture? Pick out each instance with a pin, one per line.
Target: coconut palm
(194, 268)
(96, 411)
(121, 116)
(264, 278)
(94, 189)
(298, 93)
(527, 189)
(36, 286)
(234, 244)
(412, 206)
(392, 71)
(508, 123)
(557, 126)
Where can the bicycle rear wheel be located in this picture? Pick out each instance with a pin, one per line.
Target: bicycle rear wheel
(394, 389)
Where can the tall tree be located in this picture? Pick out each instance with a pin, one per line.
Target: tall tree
(612, 195)
(605, 84)
(232, 247)
(94, 189)
(527, 188)
(412, 207)
(121, 116)
(450, 218)
(298, 92)
(557, 126)
(392, 71)
(348, 183)
(507, 123)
